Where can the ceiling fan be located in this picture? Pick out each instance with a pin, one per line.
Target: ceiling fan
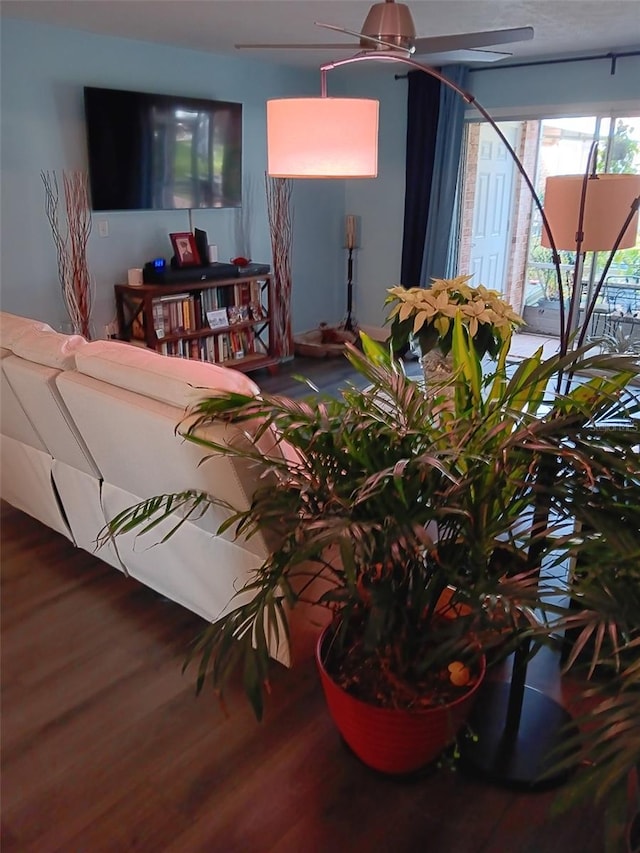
(389, 26)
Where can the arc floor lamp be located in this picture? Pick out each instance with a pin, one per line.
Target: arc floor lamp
(326, 137)
(323, 137)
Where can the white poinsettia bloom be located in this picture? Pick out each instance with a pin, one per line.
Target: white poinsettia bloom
(427, 313)
(479, 310)
(421, 318)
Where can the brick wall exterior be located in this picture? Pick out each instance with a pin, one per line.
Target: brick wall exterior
(468, 193)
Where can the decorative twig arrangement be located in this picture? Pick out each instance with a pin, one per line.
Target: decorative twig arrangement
(71, 243)
(280, 225)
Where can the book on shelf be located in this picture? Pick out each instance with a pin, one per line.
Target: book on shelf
(256, 291)
(225, 296)
(224, 348)
(242, 293)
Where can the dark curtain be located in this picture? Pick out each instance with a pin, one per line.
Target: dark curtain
(439, 250)
(423, 105)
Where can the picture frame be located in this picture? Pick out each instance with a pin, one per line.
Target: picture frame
(185, 249)
(256, 311)
(217, 319)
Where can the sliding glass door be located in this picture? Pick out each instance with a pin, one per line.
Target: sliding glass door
(500, 228)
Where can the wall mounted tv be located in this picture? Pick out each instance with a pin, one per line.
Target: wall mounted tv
(162, 152)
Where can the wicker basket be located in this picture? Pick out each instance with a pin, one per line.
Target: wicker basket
(326, 341)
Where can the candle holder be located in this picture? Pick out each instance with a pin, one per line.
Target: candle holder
(351, 231)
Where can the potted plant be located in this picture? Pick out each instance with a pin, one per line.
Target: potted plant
(394, 510)
(427, 315)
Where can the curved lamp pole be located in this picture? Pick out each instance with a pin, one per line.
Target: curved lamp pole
(334, 123)
(515, 735)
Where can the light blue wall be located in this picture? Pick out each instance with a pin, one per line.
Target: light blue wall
(42, 128)
(567, 87)
(44, 70)
(379, 203)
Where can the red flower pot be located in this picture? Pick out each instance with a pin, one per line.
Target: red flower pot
(391, 740)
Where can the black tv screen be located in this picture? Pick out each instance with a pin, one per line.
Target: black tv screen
(162, 152)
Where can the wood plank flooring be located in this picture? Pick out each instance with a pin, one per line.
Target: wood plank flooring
(105, 746)
(327, 374)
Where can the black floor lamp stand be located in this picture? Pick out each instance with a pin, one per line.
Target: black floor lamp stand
(349, 323)
(513, 731)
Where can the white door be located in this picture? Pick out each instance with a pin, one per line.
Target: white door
(492, 207)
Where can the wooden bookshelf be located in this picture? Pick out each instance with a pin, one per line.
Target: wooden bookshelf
(224, 321)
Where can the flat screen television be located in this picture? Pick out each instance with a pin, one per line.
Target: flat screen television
(162, 152)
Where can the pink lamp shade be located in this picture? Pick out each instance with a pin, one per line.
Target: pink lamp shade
(608, 200)
(322, 138)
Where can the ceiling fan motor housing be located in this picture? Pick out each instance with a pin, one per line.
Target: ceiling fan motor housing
(390, 22)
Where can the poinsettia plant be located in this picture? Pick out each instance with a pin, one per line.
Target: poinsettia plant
(429, 313)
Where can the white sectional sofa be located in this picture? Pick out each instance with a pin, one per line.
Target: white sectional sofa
(89, 429)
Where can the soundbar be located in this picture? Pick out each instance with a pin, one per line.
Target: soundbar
(176, 275)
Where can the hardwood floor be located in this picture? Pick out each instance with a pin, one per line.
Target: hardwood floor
(105, 747)
(327, 374)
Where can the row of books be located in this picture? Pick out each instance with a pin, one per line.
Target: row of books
(242, 293)
(187, 312)
(236, 344)
(176, 314)
(219, 348)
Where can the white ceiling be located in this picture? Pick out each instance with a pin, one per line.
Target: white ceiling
(562, 27)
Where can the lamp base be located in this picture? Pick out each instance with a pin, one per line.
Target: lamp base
(519, 759)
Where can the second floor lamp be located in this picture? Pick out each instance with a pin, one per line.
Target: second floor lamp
(580, 212)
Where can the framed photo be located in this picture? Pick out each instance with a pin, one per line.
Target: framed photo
(185, 249)
(256, 311)
(217, 319)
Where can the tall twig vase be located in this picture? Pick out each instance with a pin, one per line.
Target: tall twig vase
(281, 228)
(70, 237)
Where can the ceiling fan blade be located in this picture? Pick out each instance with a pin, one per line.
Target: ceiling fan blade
(366, 43)
(439, 44)
(464, 56)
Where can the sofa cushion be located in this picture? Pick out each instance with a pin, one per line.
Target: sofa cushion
(49, 348)
(14, 421)
(176, 381)
(12, 327)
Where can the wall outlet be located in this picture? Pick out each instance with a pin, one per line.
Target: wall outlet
(103, 227)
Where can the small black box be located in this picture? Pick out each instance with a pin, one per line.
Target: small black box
(254, 269)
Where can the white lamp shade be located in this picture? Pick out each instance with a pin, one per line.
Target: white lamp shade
(608, 201)
(322, 138)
